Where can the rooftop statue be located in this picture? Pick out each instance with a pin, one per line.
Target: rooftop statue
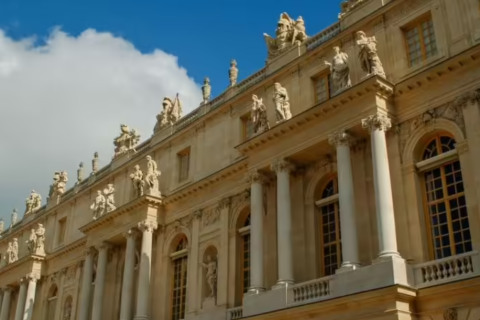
(126, 141)
(259, 115)
(233, 73)
(206, 90)
(368, 55)
(171, 113)
(289, 32)
(33, 203)
(58, 187)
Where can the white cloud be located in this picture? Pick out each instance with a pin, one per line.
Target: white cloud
(63, 100)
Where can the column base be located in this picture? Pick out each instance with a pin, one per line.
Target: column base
(386, 256)
(348, 266)
(283, 284)
(254, 290)
(141, 318)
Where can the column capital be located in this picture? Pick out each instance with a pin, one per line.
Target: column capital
(255, 176)
(31, 277)
(282, 165)
(467, 97)
(377, 121)
(131, 233)
(147, 226)
(7, 289)
(104, 246)
(89, 251)
(340, 139)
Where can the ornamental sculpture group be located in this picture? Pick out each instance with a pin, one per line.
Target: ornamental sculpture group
(142, 184)
(290, 32)
(35, 246)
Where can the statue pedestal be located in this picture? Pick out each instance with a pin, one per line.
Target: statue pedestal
(154, 193)
(162, 134)
(209, 303)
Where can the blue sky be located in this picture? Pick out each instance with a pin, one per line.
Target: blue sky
(204, 35)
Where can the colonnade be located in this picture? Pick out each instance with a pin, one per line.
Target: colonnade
(146, 228)
(25, 301)
(376, 125)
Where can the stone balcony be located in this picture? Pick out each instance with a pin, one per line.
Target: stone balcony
(390, 272)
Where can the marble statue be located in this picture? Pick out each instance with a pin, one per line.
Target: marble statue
(151, 178)
(126, 141)
(368, 55)
(12, 251)
(259, 115)
(32, 241)
(288, 33)
(137, 181)
(95, 163)
(211, 275)
(33, 203)
(233, 73)
(206, 90)
(339, 70)
(2, 225)
(14, 218)
(110, 197)
(80, 173)
(58, 187)
(40, 240)
(282, 105)
(171, 113)
(98, 205)
(67, 312)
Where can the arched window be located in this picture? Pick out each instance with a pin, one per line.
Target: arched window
(445, 205)
(179, 280)
(52, 301)
(245, 253)
(329, 225)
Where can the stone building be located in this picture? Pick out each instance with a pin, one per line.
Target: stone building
(341, 181)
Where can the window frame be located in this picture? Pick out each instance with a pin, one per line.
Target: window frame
(440, 161)
(417, 24)
(182, 256)
(61, 231)
(243, 232)
(245, 121)
(323, 75)
(185, 153)
(334, 199)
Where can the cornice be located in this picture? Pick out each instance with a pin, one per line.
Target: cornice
(22, 261)
(179, 194)
(372, 86)
(80, 243)
(442, 69)
(107, 218)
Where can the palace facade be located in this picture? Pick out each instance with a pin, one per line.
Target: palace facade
(341, 181)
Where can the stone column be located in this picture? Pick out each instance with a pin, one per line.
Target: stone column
(100, 281)
(256, 232)
(143, 293)
(128, 272)
(377, 125)
(6, 301)
(22, 296)
(86, 286)
(30, 299)
(284, 223)
(348, 226)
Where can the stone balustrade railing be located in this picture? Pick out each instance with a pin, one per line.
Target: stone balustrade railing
(310, 291)
(323, 36)
(187, 119)
(449, 269)
(252, 80)
(234, 313)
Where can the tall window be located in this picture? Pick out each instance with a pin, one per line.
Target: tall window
(52, 301)
(420, 40)
(62, 227)
(247, 127)
(183, 164)
(446, 210)
(322, 88)
(179, 281)
(245, 254)
(329, 223)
